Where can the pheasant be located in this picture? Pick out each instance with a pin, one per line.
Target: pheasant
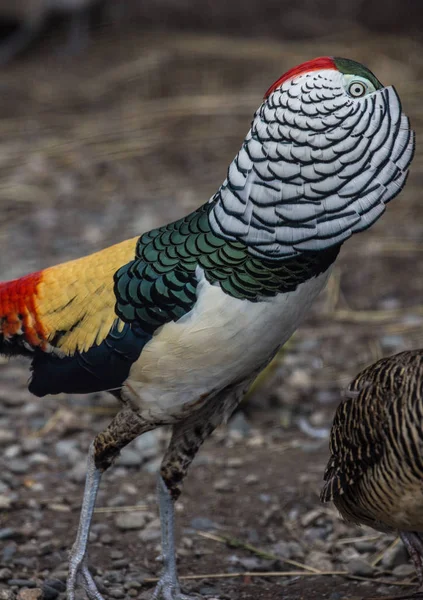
(375, 472)
(178, 322)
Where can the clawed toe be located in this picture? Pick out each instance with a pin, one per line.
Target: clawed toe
(170, 590)
(81, 572)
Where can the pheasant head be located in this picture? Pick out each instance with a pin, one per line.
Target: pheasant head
(328, 148)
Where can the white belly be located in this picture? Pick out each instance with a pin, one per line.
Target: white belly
(220, 341)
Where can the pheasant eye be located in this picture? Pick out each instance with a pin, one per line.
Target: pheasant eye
(356, 89)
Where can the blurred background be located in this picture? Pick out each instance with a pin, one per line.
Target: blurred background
(116, 116)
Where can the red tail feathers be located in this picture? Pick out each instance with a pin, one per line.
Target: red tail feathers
(18, 313)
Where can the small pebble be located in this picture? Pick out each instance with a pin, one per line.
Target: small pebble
(397, 555)
(238, 426)
(319, 560)
(7, 533)
(6, 501)
(223, 485)
(251, 479)
(147, 445)
(57, 584)
(121, 563)
(129, 457)
(7, 595)
(61, 575)
(131, 520)
(5, 574)
(117, 593)
(235, 462)
(404, 571)
(49, 593)
(358, 566)
(77, 474)
(365, 546)
(203, 524)
(22, 583)
(150, 534)
(6, 436)
(106, 539)
(30, 594)
(131, 584)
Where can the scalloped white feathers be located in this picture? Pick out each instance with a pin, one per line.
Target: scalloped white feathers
(316, 166)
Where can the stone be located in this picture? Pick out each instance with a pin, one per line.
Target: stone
(404, 570)
(18, 465)
(131, 520)
(150, 534)
(239, 425)
(251, 479)
(6, 437)
(147, 445)
(117, 593)
(203, 524)
(365, 546)
(129, 457)
(49, 593)
(7, 533)
(397, 555)
(30, 594)
(319, 560)
(57, 584)
(358, 566)
(5, 574)
(22, 583)
(223, 485)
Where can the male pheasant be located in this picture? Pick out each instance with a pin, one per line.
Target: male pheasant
(178, 322)
(375, 472)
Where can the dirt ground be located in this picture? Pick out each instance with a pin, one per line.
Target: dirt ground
(140, 129)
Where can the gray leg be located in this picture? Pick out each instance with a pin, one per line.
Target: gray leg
(77, 561)
(126, 426)
(187, 437)
(414, 545)
(168, 587)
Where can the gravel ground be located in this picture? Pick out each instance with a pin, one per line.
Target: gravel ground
(93, 150)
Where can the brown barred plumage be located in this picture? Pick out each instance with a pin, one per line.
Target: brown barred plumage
(375, 472)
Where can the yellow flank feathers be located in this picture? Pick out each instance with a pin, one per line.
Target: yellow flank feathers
(77, 297)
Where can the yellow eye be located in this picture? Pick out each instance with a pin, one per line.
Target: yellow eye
(356, 89)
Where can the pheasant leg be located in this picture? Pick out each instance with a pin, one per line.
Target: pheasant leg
(414, 545)
(126, 426)
(78, 557)
(187, 437)
(168, 587)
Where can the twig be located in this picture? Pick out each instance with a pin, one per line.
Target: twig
(59, 415)
(265, 574)
(374, 316)
(120, 509)
(251, 574)
(235, 543)
(363, 538)
(381, 554)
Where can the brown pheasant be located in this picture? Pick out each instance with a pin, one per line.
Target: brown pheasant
(375, 472)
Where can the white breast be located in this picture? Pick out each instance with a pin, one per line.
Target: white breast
(220, 341)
